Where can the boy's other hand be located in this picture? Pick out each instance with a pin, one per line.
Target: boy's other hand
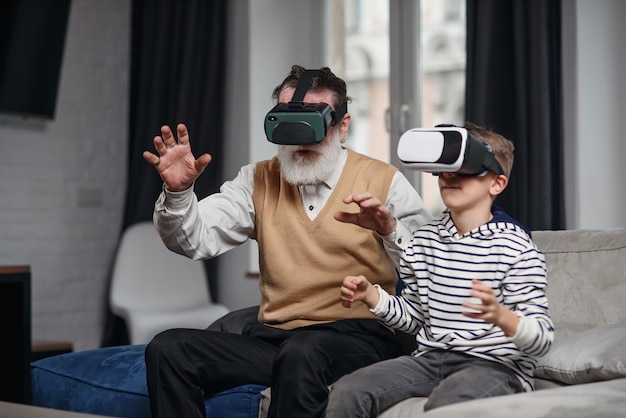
(490, 310)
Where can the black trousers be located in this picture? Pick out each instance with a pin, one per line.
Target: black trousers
(183, 365)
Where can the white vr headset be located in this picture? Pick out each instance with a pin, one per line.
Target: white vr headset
(446, 149)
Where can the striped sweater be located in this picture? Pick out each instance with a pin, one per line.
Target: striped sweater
(437, 268)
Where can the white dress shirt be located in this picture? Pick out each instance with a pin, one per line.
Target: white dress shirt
(225, 220)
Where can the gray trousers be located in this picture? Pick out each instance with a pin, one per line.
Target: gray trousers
(445, 377)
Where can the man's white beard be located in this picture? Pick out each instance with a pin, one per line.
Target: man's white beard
(313, 168)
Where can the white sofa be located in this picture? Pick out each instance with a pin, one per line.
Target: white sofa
(584, 374)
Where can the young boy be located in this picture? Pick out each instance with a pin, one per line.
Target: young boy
(474, 295)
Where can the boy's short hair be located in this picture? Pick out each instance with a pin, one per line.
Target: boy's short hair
(502, 148)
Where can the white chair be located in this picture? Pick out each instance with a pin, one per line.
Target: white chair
(154, 289)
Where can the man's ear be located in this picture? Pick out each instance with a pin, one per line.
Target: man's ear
(344, 126)
(498, 184)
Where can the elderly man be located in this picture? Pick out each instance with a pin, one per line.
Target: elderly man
(317, 213)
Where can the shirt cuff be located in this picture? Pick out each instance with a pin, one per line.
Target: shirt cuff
(399, 238)
(383, 298)
(525, 333)
(176, 201)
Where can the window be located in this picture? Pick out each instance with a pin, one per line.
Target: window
(360, 51)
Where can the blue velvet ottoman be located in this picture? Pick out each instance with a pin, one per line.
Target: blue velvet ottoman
(112, 381)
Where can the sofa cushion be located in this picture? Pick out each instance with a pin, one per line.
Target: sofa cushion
(592, 400)
(112, 381)
(585, 278)
(590, 356)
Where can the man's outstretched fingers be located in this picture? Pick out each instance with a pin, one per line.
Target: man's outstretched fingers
(151, 158)
(167, 137)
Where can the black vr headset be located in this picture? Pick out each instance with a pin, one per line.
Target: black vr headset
(299, 123)
(446, 149)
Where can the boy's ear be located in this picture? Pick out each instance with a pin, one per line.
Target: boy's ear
(498, 185)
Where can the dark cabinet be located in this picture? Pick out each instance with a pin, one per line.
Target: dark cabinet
(15, 329)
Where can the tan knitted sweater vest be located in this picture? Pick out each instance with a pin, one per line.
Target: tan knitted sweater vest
(302, 262)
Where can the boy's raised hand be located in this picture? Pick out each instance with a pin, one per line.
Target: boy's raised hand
(175, 162)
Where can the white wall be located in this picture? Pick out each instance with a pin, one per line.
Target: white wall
(268, 37)
(62, 182)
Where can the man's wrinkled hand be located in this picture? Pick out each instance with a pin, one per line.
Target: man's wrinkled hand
(175, 162)
(372, 214)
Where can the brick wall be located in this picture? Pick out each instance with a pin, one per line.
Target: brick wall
(62, 182)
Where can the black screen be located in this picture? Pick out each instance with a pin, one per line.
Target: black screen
(15, 328)
(32, 39)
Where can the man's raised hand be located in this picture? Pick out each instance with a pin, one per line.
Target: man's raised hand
(175, 162)
(372, 214)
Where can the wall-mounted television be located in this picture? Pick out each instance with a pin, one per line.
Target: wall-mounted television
(32, 40)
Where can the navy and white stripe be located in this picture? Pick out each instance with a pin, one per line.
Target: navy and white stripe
(437, 269)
